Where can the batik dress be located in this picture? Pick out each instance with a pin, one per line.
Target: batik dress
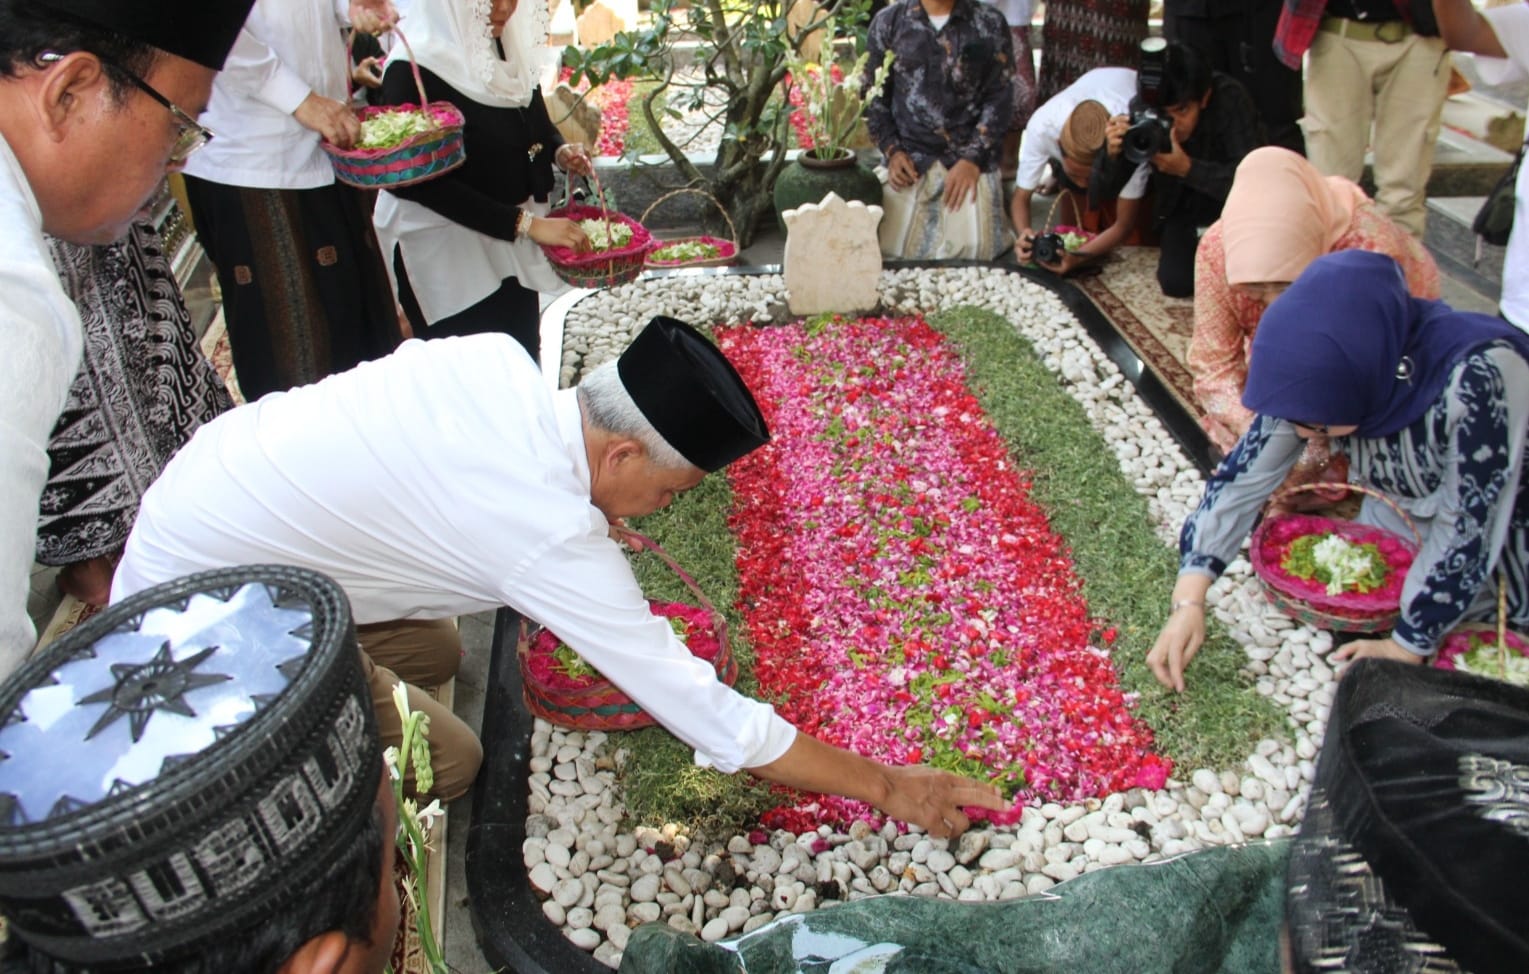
(1080, 35)
(1456, 472)
(143, 388)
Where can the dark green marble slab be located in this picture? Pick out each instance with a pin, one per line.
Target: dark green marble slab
(1214, 911)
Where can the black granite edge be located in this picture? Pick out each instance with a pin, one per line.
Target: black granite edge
(513, 933)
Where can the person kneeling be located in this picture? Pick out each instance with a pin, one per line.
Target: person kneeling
(1057, 156)
(1193, 127)
(940, 122)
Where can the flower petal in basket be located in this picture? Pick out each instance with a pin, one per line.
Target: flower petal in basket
(590, 701)
(599, 268)
(415, 159)
(1474, 648)
(727, 252)
(1306, 598)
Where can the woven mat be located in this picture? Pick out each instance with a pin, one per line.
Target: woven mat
(1158, 328)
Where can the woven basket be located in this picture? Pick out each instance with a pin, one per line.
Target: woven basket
(597, 704)
(1307, 600)
(1505, 641)
(416, 159)
(605, 268)
(727, 249)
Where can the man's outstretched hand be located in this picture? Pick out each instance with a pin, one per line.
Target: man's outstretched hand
(933, 799)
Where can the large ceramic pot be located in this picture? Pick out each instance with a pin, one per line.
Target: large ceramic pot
(809, 179)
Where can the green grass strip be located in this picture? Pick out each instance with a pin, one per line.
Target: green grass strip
(1128, 574)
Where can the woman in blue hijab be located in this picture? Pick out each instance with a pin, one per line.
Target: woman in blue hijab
(1429, 403)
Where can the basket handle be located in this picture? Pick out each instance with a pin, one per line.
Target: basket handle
(594, 181)
(419, 81)
(732, 231)
(1360, 488)
(641, 542)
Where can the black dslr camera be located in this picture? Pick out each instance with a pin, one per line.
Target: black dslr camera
(1150, 124)
(1048, 248)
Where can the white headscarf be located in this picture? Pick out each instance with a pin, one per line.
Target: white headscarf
(452, 39)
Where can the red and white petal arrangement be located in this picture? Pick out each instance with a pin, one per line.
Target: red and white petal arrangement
(905, 596)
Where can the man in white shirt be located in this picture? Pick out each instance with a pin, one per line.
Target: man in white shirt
(97, 103)
(305, 290)
(1056, 154)
(1500, 36)
(447, 479)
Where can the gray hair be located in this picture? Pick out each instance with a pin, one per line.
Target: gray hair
(609, 407)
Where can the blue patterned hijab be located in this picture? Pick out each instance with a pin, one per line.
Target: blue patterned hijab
(1347, 345)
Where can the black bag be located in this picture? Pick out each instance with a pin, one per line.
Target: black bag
(1494, 221)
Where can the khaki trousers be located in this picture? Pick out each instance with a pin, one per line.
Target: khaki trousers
(1400, 88)
(421, 654)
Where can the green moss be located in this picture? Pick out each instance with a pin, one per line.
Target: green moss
(1128, 574)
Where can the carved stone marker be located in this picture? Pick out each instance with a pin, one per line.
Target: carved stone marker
(832, 260)
(575, 117)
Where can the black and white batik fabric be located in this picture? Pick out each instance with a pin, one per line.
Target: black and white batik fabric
(143, 388)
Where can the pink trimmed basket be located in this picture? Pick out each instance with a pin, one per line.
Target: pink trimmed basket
(599, 268)
(416, 159)
(595, 703)
(1306, 600)
(727, 250)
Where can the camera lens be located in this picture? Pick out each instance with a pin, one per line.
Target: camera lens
(1147, 136)
(1048, 248)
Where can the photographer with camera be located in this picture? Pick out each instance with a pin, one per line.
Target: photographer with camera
(1192, 126)
(1056, 155)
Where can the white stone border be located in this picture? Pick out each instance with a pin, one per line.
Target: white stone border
(598, 881)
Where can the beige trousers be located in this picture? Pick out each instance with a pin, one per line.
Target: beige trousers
(1399, 87)
(421, 654)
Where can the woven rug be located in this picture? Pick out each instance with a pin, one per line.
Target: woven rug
(1158, 328)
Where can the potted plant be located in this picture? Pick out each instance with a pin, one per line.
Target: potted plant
(829, 104)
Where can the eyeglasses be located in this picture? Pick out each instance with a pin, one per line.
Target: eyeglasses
(1318, 428)
(191, 137)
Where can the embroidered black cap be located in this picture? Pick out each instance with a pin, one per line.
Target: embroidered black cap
(181, 766)
(691, 394)
(1415, 844)
(197, 30)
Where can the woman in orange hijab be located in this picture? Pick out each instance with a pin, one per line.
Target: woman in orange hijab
(1280, 215)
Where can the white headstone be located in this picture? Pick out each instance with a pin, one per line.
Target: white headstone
(833, 259)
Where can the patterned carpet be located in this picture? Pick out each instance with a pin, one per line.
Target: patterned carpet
(1157, 327)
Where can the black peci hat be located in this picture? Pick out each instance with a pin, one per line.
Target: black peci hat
(197, 30)
(1415, 845)
(182, 766)
(691, 394)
